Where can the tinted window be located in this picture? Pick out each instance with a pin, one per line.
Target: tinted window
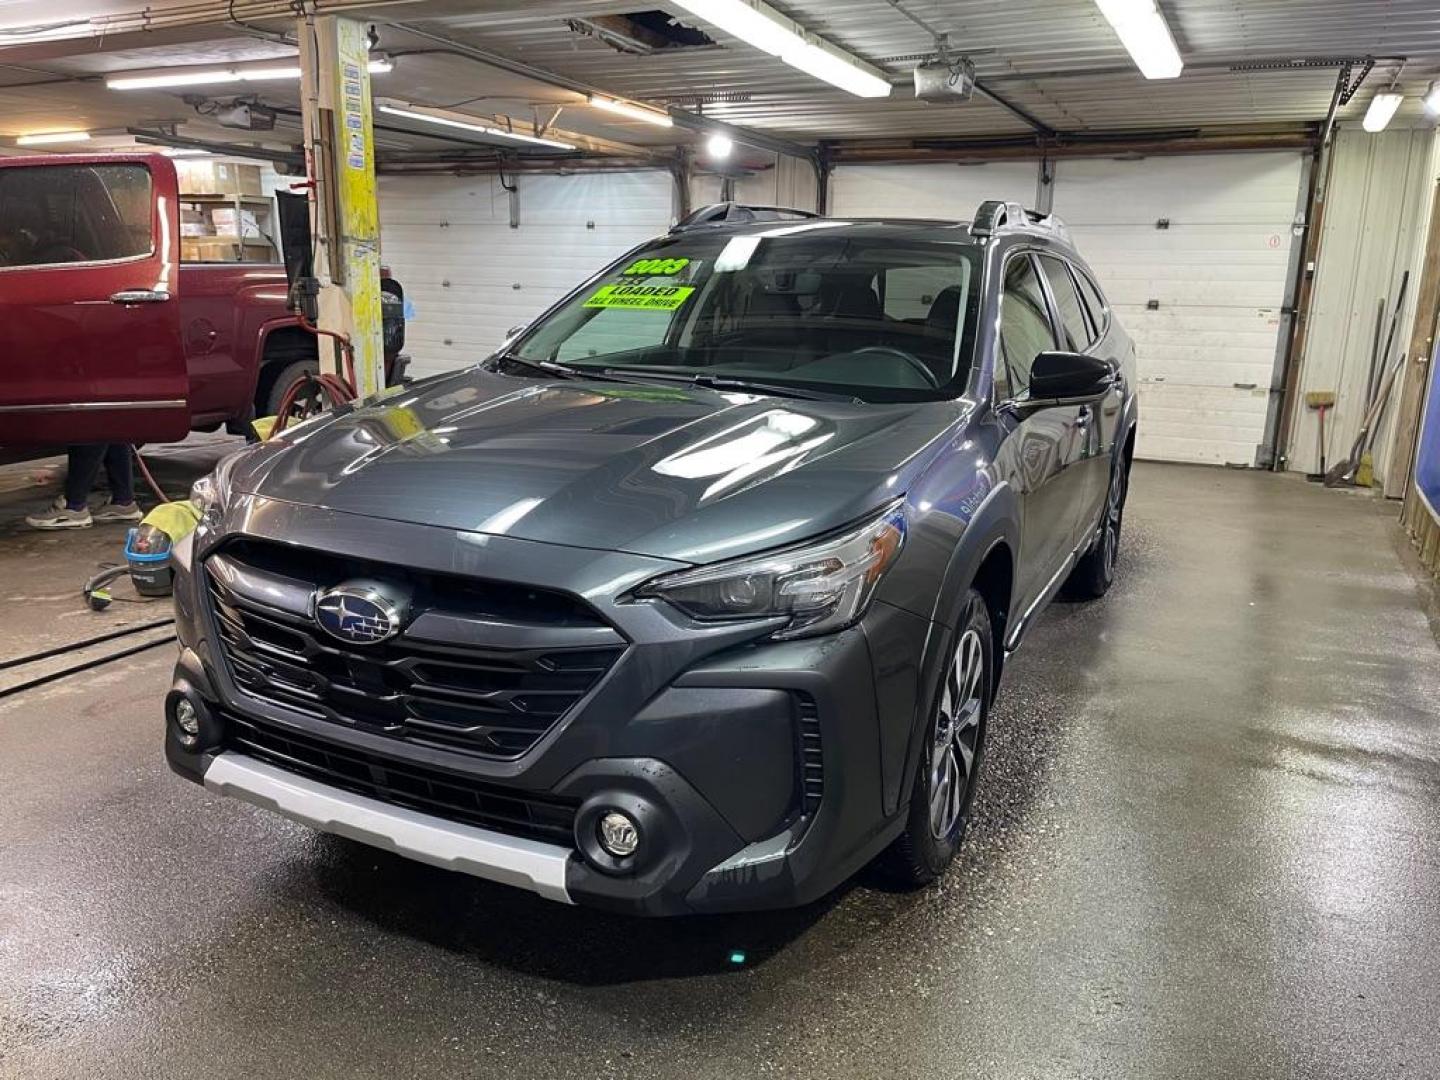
(73, 213)
(1024, 322)
(1093, 300)
(879, 316)
(1074, 331)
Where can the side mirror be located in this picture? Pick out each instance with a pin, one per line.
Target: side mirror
(1069, 375)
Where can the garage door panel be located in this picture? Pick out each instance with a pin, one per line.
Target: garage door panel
(1218, 274)
(1209, 425)
(1207, 189)
(471, 277)
(928, 191)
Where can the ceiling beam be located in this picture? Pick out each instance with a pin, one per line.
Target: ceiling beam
(256, 153)
(682, 117)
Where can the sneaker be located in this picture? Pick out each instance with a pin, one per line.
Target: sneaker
(60, 517)
(109, 510)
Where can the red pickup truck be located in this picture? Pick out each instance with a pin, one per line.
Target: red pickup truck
(105, 336)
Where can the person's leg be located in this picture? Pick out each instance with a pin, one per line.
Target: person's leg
(121, 473)
(72, 510)
(83, 468)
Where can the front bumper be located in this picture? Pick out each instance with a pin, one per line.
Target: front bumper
(763, 773)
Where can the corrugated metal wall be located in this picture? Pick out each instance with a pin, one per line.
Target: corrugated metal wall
(1377, 205)
(470, 276)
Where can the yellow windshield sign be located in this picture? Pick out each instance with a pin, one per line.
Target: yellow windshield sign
(641, 297)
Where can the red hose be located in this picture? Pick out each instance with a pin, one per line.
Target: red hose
(340, 389)
(154, 487)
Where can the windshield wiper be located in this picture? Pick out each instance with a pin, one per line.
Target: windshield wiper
(729, 382)
(545, 367)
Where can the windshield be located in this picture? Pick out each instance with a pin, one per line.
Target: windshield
(868, 316)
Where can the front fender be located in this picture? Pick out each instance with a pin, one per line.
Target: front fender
(963, 535)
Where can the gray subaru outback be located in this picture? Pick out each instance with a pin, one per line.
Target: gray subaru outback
(696, 595)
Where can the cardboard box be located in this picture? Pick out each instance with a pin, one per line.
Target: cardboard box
(220, 249)
(218, 178)
(227, 223)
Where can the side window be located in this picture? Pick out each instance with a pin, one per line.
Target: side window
(1093, 300)
(1024, 323)
(53, 214)
(1074, 331)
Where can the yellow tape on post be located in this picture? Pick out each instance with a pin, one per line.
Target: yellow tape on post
(359, 217)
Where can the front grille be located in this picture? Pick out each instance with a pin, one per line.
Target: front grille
(486, 699)
(417, 787)
(810, 755)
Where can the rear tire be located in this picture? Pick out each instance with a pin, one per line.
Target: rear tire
(950, 756)
(1095, 572)
(284, 377)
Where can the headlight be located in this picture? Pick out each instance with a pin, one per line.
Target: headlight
(822, 586)
(211, 493)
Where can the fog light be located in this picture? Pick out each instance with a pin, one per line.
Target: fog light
(619, 835)
(187, 719)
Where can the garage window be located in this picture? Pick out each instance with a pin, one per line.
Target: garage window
(53, 214)
(1024, 327)
(1074, 330)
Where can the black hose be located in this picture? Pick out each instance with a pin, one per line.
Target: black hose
(78, 645)
(78, 668)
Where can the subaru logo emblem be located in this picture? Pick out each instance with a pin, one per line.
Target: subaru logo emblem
(359, 613)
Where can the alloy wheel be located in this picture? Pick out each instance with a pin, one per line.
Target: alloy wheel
(1114, 508)
(957, 732)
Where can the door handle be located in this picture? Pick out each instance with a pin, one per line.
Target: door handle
(139, 296)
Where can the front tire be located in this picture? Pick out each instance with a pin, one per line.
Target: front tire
(950, 757)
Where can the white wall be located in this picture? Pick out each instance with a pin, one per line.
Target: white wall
(469, 276)
(1377, 207)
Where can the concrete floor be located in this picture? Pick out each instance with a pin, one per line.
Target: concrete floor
(1207, 844)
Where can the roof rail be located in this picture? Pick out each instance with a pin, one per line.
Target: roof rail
(996, 215)
(733, 213)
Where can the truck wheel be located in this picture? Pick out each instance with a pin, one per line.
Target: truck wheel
(285, 375)
(1095, 572)
(950, 756)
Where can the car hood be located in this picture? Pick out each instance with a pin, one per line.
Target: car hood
(681, 473)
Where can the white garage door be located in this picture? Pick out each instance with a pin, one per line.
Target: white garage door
(1202, 296)
(470, 276)
(933, 191)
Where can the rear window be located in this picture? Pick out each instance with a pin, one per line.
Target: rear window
(52, 214)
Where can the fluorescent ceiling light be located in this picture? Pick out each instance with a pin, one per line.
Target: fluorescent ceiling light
(1145, 35)
(633, 112)
(766, 29)
(415, 113)
(184, 151)
(751, 23)
(1432, 98)
(1382, 109)
(719, 146)
(49, 137)
(828, 65)
(216, 76)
